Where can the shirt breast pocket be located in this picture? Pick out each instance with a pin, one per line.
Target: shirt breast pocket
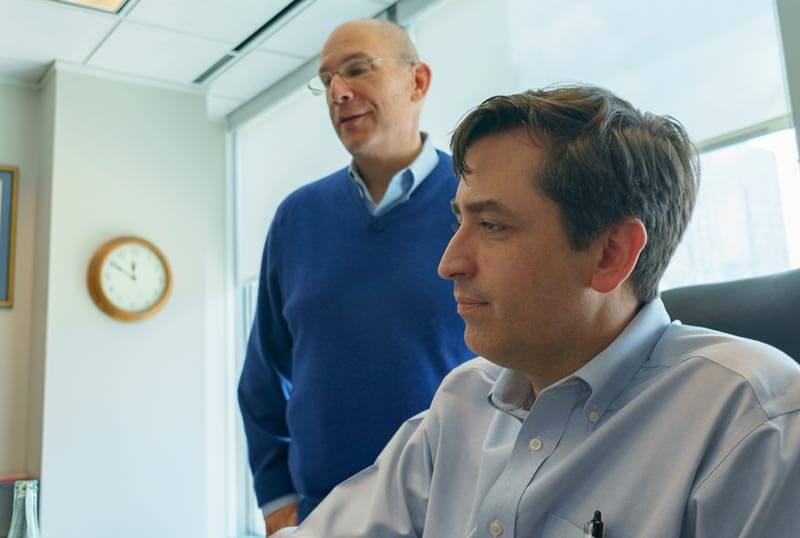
(558, 527)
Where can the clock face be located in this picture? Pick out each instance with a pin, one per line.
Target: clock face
(133, 277)
(129, 279)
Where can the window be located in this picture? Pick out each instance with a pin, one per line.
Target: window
(747, 219)
(715, 65)
(252, 513)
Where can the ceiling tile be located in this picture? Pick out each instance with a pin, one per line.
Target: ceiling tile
(231, 21)
(12, 69)
(255, 72)
(155, 53)
(219, 107)
(306, 33)
(36, 31)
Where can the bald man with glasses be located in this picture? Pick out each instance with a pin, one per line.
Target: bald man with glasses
(354, 330)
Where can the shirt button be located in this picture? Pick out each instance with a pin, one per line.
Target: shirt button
(535, 444)
(594, 416)
(496, 528)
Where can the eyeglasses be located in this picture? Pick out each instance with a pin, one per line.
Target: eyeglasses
(350, 70)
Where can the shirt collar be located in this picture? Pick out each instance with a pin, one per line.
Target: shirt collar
(417, 171)
(512, 394)
(425, 162)
(609, 372)
(606, 375)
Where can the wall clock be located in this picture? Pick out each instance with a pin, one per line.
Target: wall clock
(129, 279)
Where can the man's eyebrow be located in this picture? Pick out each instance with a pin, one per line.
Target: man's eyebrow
(482, 206)
(346, 59)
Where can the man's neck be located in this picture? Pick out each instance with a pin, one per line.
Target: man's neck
(575, 350)
(377, 171)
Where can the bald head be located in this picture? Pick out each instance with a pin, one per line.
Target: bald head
(391, 35)
(376, 99)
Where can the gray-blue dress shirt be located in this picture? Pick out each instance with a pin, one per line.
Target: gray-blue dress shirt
(671, 431)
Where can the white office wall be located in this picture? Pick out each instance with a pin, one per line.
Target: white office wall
(19, 146)
(129, 445)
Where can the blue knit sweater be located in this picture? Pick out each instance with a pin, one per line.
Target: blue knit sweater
(354, 330)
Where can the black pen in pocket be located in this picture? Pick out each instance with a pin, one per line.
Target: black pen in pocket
(594, 527)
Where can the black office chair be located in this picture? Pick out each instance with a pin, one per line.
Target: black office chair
(764, 308)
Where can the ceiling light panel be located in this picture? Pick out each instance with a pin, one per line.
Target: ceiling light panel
(305, 34)
(156, 53)
(109, 6)
(232, 20)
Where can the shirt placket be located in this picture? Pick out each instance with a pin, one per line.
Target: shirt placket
(538, 438)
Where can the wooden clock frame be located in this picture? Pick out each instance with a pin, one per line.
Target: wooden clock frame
(93, 281)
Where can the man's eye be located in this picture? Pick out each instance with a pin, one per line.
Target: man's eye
(491, 227)
(356, 70)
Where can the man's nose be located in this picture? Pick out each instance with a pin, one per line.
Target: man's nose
(339, 90)
(456, 262)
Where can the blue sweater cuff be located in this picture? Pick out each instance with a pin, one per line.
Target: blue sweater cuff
(273, 483)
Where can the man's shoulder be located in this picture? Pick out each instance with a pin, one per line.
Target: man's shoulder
(317, 190)
(773, 376)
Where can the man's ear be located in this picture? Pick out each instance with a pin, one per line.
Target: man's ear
(422, 81)
(620, 249)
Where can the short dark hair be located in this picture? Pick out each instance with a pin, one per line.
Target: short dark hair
(605, 161)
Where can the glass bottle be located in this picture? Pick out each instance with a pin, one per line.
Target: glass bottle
(25, 518)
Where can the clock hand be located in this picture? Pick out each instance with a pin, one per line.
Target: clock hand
(123, 271)
(133, 269)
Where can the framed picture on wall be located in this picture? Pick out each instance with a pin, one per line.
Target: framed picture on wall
(8, 213)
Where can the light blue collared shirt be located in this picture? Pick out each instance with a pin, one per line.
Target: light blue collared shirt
(671, 431)
(403, 183)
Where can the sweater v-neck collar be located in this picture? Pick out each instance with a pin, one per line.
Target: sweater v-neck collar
(421, 196)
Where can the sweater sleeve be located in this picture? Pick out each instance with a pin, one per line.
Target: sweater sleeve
(265, 383)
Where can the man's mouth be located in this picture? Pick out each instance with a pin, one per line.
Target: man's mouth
(466, 303)
(344, 120)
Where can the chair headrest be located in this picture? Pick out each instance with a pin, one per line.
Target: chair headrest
(764, 308)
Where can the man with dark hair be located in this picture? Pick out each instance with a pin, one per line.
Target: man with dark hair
(589, 408)
(354, 330)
